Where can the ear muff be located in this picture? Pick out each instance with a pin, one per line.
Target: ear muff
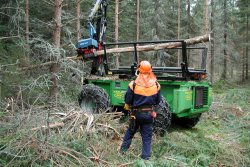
(136, 72)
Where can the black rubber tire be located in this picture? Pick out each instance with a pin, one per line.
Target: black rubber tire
(188, 122)
(163, 119)
(94, 99)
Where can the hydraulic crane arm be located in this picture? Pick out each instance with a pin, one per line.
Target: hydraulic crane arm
(87, 47)
(100, 12)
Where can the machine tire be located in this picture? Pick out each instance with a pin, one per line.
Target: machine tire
(93, 99)
(163, 119)
(188, 122)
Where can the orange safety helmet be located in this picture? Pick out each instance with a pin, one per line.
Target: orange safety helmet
(145, 67)
(146, 77)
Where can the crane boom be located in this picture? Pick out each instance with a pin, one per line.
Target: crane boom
(96, 29)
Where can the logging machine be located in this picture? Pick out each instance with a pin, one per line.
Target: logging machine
(186, 93)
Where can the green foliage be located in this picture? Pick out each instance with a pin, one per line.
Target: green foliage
(158, 20)
(221, 86)
(232, 93)
(238, 96)
(127, 21)
(191, 148)
(80, 145)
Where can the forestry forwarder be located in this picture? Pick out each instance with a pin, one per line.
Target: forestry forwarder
(186, 93)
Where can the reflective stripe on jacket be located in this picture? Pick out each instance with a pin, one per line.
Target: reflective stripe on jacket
(142, 96)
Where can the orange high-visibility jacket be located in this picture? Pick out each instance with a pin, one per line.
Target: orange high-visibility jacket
(138, 96)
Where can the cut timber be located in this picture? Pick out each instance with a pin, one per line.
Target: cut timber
(191, 41)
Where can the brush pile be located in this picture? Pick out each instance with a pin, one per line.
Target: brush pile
(43, 135)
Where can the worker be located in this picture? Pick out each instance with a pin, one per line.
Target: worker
(140, 99)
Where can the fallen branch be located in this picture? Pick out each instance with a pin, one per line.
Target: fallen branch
(74, 151)
(78, 115)
(126, 164)
(95, 152)
(172, 159)
(60, 114)
(6, 153)
(98, 159)
(71, 155)
(96, 156)
(24, 146)
(54, 125)
(109, 128)
(9, 37)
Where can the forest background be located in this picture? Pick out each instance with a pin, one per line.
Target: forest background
(35, 33)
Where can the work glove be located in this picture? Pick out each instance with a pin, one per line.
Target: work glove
(153, 114)
(126, 107)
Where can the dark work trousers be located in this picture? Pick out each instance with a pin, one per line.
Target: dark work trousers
(144, 121)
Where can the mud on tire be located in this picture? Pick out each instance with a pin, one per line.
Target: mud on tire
(164, 117)
(93, 99)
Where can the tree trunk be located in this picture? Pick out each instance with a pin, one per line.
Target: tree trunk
(243, 66)
(56, 41)
(247, 58)
(224, 73)
(78, 15)
(138, 23)
(117, 29)
(212, 41)
(0, 86)
(27, 21)
(232, 68)
(189, 29)
(178, 29)
(27, 29)
(156, 7)
(206, 17)
(137, 20)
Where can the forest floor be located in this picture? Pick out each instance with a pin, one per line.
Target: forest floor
(220, 139)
